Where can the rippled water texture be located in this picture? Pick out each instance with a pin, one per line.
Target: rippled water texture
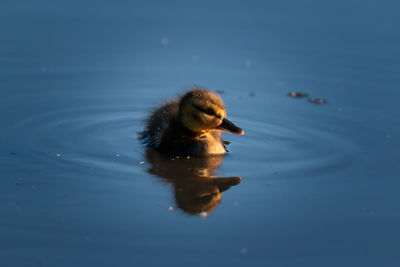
(313, 182)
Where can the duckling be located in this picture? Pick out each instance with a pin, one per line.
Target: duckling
(189, 126)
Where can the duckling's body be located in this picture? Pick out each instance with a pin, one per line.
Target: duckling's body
(189, 126)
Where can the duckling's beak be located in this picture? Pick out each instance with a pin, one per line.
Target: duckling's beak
(227, 125)
(225, 183)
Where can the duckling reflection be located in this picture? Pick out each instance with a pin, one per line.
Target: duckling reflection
(196, 189)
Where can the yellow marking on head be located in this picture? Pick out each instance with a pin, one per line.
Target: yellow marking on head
(201, 110)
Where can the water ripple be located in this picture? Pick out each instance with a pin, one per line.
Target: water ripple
(104, 137)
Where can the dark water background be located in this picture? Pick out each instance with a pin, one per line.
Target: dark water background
(320, 182)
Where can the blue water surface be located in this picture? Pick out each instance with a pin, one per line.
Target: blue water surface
(319, 182)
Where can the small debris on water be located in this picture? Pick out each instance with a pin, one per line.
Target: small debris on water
(298, 94)
(117, 155)
(142, 162)
(317, 101)
(164, 41)
(171, 208)
(243, 251)
(247, 64)
(220, 92)
(203, 214)
(58, 155)
(195, 58)
(252, 94)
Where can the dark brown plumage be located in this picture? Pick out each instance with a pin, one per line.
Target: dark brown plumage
(189, 125)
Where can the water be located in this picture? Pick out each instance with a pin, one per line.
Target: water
(319, 182)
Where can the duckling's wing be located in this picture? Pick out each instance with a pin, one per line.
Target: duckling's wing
(158, 123)
(147, 140)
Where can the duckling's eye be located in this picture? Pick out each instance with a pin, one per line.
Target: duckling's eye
(209, 111)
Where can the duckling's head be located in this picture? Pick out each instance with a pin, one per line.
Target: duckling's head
(201, 111)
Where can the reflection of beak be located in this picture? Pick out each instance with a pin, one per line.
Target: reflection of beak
(226, 125)
(223, 184)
